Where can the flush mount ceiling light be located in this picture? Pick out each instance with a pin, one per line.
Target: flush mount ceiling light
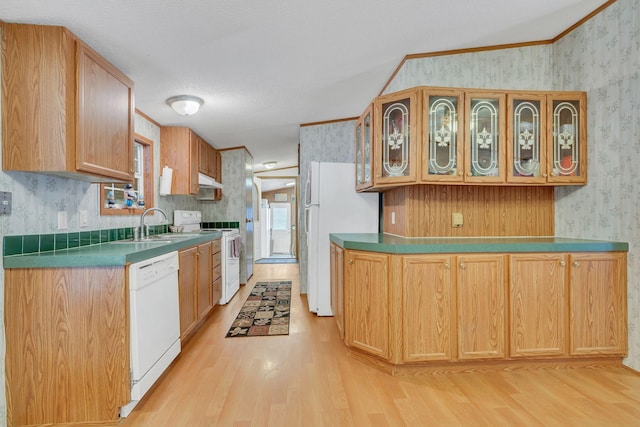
(185, 105)
(270, 165)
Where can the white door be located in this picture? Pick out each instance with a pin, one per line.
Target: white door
(281, 228)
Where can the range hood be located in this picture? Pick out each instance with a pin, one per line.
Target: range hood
(205, 181)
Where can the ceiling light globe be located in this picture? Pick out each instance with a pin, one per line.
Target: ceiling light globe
(185, 105)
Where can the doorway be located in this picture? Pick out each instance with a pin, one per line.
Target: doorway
(278, 221)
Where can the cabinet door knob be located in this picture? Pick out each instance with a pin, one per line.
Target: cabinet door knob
(350, 261)
(544, 175)
(562, 263)
(462, 265)
(576, 264)
(446, 265)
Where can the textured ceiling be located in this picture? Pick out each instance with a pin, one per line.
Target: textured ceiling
(264, 67)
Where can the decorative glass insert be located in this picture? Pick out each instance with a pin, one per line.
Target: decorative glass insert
(566, 155)
(443, 135)
(484, 137)
(526, 138)
(366, 128)
(395, 139)
(359, 155)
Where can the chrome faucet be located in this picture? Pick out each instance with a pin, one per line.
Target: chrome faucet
(142, 231)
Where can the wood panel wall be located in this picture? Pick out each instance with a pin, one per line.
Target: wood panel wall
(426, 210)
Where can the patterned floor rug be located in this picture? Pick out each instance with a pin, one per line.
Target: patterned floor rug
(266, 311)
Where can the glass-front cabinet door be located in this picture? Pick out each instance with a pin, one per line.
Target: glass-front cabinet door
(443, 131)
(395, 138)
(568, 136)
(484, 152)
(526, 137)
(363, 148)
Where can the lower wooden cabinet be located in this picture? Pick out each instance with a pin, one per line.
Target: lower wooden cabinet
(216, 275)
(366, 287)
(337, 286)
(598, 303)
(481, 307)
(67, 345)
(538, 304)
(428, 308)
(195, 285)
(413, 309)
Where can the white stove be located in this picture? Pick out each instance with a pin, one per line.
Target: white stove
(231, 246)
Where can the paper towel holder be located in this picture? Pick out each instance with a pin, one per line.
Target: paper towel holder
(166, 181)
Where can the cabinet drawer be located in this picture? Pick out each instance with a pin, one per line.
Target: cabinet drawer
(217, 259)
(217, 244)
(217, 271)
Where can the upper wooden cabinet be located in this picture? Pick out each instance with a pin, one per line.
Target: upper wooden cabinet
(442, 135)
(396, 138)
(208, 159)
(363, 150)
(567, 135)
(434, 135)
(66, 110)
(188, 154)
(179, 149)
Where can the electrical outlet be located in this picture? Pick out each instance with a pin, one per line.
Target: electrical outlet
(62, 220)
(456, 220)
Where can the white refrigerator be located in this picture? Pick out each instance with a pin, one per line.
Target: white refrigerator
(332, 205)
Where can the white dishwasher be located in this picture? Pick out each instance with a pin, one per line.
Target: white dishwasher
(154, 322)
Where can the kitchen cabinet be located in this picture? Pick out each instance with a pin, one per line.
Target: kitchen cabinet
(428, 308)
(180, 150)
(363, 150)
(216, 275)
(196, 287)
(337, 286)
(367, 298)
(208, 159)
(435, 135)
(443, 130)
(396, 138)
(67, 345)
(407, 310)
(481, 307)
(66, 110)
(485, 135)
(538, 304)
(598, 304)
(568, 137)
(526, 138)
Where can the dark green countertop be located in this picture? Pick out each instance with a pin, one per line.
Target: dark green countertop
(392, 244)
(121, 252)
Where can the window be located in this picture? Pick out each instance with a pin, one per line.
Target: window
(134, 197)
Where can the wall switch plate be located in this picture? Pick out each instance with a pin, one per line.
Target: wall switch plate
(456, 220)
(62, 220)
(393, 218)
(5, 202)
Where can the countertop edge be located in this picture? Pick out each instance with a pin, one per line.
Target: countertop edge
(120, 254)
(392, 244)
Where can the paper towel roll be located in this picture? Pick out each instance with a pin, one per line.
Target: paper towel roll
(165, 181)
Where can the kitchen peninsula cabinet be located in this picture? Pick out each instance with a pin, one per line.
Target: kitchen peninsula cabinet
(415, 304)
(367, 303)
(195, 287)
(337, 286)
(66, 110)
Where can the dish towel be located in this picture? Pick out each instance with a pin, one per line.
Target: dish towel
(236, 245)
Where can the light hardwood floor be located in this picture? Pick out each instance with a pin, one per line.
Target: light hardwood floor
(308, 379)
